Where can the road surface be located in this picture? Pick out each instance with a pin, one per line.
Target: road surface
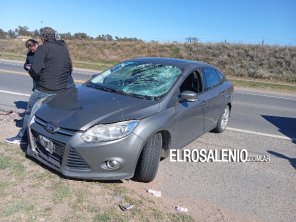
(263, 123)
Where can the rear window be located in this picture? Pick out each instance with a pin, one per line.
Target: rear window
(211, 78)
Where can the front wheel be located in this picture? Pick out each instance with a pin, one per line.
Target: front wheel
(148, 162)
(223, 120)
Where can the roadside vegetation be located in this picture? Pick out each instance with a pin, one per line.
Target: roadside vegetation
(265, 63)
(30, 192)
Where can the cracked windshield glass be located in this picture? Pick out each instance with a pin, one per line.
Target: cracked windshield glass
(144, 80)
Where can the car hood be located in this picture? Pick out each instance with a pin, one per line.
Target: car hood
(82, 107)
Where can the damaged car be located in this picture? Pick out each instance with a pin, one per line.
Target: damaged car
(120, 123)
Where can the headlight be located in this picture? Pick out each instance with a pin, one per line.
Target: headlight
(107, 132)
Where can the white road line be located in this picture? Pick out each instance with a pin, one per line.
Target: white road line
(76, 70)
(3, 71)
(15, 93)
(16, 63)
(264, 95)
(260, 134)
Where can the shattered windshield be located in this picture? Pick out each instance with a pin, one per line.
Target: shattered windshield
(136, 79)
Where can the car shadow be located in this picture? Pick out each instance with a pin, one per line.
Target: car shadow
(21, 105)
(285, 125)
(291, 160)
(68, 178)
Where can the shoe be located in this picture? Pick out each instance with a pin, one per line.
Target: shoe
(16, 140)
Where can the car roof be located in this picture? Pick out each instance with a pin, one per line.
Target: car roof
(183, 64)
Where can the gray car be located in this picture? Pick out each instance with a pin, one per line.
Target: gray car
(120, 123)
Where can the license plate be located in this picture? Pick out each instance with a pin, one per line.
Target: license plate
(47, 144)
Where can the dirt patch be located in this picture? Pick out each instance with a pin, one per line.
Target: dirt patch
(200, 210)
(10, 123)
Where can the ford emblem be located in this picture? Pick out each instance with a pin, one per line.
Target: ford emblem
(50, 128)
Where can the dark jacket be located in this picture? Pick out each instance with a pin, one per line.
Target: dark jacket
(29, 61)
(53, 67)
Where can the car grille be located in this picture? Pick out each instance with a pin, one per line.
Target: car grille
(75, 161)
(54, 158)
(63, 131)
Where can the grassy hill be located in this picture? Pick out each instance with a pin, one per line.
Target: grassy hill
(236, 60)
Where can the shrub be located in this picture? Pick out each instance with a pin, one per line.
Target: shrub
(242, 60)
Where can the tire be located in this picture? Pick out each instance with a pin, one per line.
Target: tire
(148, 162)
(223, 120)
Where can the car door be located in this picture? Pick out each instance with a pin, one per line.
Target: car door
(216, 99)
(190, 115)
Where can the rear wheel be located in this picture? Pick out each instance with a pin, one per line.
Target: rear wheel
(223, 120)
(148, 162)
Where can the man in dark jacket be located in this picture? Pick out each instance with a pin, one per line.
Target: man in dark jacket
(52, 67)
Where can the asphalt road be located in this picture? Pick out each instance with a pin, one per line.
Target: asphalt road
(264, 123)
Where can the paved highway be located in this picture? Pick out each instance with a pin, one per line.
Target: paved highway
(261, 122)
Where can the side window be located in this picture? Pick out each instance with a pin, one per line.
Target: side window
(192, 83)
(211, 78)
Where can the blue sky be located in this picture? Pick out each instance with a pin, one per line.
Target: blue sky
(162, 20)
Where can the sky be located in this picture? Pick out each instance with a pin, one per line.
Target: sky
(161, 20)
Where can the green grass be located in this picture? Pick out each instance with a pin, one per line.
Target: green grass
(18, 207)
(42, 176)
(181, 217)
(61, 191)
(157, 215)
(98, 66)
(4, 188)
(23, 183)
(12, 56)
(110, 215)
(264, 85)
(5, 162)
(15, 166)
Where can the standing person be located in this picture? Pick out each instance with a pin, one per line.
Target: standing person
(52, 67)
(31, 45)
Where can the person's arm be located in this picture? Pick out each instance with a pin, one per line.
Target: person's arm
(38, 62)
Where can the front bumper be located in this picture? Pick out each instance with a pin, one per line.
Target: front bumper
(72, 157)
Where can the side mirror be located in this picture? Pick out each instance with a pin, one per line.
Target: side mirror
(188, 96)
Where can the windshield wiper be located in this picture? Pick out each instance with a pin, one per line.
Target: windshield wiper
(101, 87)
(107, 89)
(139, 96)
